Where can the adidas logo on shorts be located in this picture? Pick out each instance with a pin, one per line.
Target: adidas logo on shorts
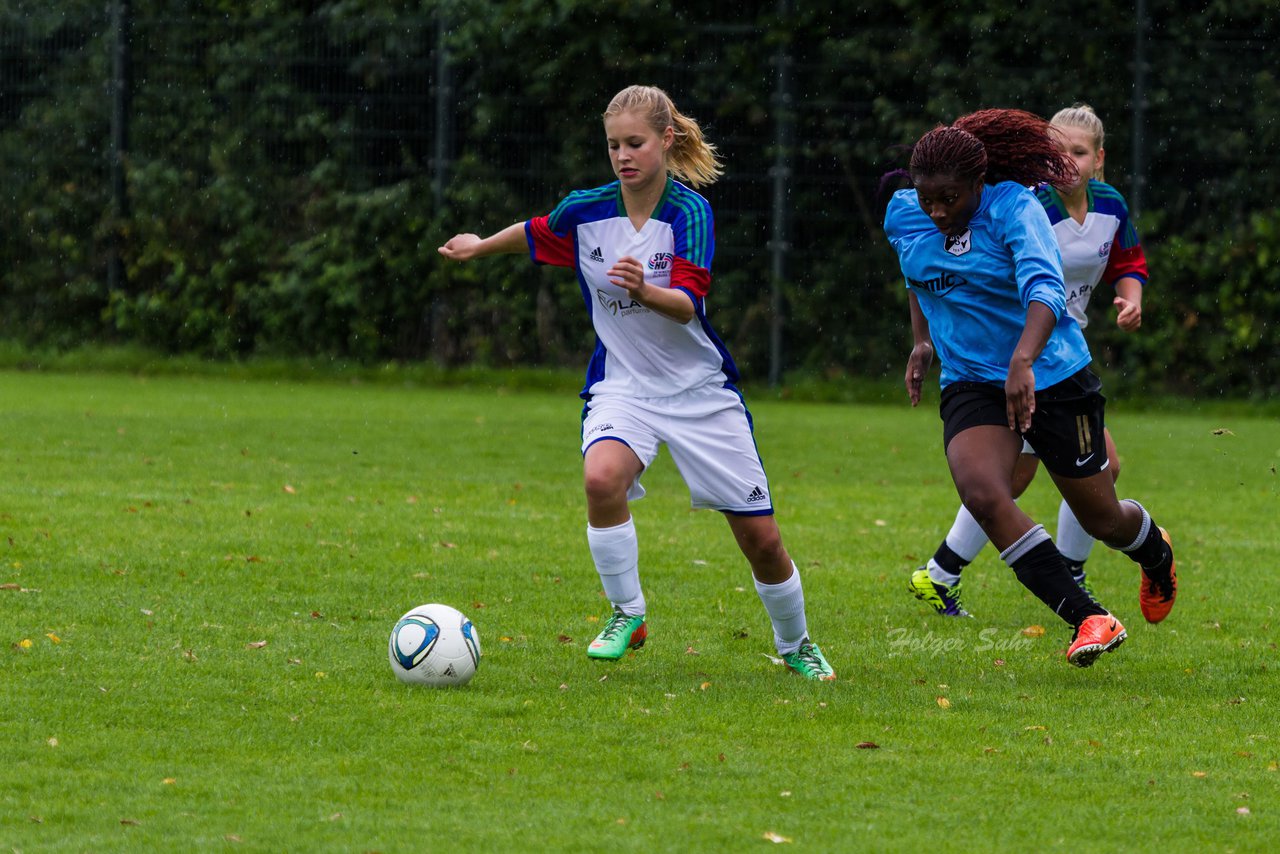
(757, 494)
(597, 255)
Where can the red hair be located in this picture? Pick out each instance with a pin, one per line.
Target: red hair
(1003, 145)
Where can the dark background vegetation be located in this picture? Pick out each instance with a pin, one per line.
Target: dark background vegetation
(291, 168)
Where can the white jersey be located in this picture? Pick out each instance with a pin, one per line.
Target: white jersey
(1104, 246)
(639, 353)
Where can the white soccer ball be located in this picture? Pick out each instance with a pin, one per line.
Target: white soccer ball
(434, 645)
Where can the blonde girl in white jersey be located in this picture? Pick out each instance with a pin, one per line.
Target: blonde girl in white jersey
(642, 248)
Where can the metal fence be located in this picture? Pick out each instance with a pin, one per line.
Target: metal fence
(389, 102)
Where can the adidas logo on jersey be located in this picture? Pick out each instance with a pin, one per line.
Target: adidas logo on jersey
(597, 255)
(757, 494)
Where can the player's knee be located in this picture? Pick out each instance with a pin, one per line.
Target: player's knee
(985, 503)
(602, 484)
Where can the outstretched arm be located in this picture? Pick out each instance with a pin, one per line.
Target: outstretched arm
(464, 247)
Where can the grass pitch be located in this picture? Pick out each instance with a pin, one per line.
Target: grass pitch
(199, 577)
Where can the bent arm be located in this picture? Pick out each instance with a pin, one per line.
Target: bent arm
(671, 303)
(1128, 303)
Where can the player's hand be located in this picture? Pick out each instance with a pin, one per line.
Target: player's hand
(1020, 397)
(627, 273)
(460, 247)
(1129, 317)
(917, 369)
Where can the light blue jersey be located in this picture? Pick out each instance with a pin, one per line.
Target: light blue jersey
(974, 289)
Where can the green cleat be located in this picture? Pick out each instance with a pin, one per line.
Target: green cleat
(944, 600)
(620, 634)
(810, 663)
(1082, 581)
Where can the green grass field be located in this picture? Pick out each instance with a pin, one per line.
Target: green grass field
(200, 574)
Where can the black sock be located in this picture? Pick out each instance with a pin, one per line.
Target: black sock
(949, 560)
(1041, 568)
(1149, 550)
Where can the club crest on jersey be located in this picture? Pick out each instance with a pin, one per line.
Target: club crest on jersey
(1104, 250)
(660, 264)
(959, 244)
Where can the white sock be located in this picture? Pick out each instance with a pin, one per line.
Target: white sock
(785, 605)
(966, 537)
(1074, 543)
(938, 575)
(616, 552)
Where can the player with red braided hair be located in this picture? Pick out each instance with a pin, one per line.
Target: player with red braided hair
(986, 291)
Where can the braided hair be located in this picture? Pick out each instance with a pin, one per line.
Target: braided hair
(1002, 145)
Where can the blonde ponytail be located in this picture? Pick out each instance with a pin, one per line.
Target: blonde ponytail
(691, 158)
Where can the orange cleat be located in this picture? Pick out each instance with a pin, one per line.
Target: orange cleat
(1155, 597)
(1096, 635)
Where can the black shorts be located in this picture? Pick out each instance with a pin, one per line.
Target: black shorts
(1066, 430)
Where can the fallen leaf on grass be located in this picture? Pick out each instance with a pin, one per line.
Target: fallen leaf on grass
(130, 822)
(255, 644)
(51, 636)
(770, 836)
(10, 586)
(25, 643)
(53, 742)
(704, 686)
(867, 745)
(231, 837)
(1242, 810)
(289, 489)
(944, 703)
(564, 639)
(1222, 431)
(1036, 631)
(169, 781)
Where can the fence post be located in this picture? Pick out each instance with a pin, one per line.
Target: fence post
(1139, 107)
(781, 172)
(444, 107)
(121, 24)
(437, 312)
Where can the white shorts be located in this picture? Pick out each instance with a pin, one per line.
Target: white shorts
(708, 432)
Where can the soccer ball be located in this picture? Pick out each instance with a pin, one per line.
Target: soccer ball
(434, 645)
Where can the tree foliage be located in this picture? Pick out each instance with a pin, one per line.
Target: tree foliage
(289, 174)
